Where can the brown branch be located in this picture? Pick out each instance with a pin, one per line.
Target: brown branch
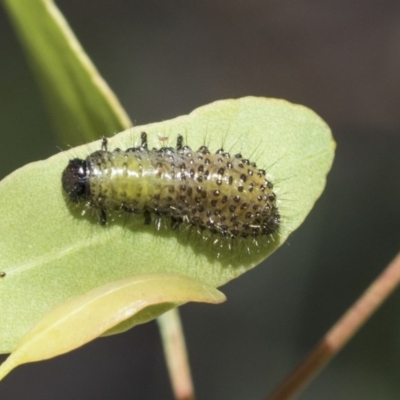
(341, 332)
(176, 355)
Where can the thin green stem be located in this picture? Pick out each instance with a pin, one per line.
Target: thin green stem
(340, 334)
(176, 355)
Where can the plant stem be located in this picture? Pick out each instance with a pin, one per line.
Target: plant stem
(176, 355)
(338, 336)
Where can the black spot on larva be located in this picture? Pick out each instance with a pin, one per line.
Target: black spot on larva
(203, 150)
(143, 181)
(2, 274)
(261, 172)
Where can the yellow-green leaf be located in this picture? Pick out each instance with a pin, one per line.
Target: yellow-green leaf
(50, 252)
(83, 318)
(80, 101)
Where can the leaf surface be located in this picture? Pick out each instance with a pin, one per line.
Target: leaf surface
(50, 252)
(83, 318)
(80, 101)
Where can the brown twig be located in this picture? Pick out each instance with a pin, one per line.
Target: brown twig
(338, 336)
(176, 355)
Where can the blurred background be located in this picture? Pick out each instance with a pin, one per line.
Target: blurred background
(163, 59)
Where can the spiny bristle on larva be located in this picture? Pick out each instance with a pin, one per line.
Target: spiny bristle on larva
(226, 195)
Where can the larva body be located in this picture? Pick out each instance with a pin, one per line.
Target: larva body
(226, 195)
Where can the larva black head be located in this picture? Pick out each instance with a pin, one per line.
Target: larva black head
(75, 180)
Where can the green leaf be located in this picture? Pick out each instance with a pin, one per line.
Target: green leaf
(84, 318)
(50, 252)
(79, 100)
